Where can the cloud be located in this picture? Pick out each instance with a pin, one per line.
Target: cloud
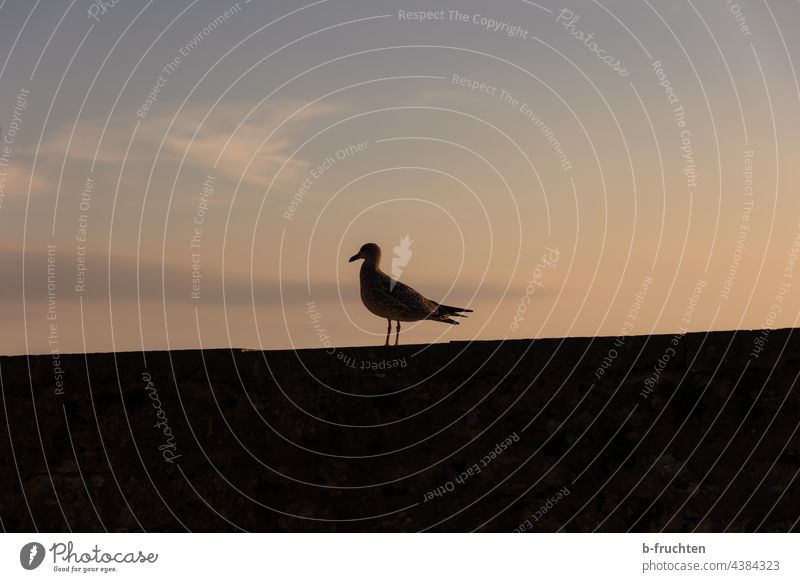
(225, 128)
(15, 180)
(149, 280)
(131, 278)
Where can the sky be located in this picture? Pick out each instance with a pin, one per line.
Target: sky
(190, 174)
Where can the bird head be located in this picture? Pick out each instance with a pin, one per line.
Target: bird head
(370, 252)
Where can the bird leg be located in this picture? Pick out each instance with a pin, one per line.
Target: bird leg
(388, 332)
(397, 338)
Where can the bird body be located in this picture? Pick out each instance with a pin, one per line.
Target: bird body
(395, 301)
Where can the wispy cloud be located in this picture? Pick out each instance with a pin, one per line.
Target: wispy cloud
(149, 280)
(16, 181)
(224, 135)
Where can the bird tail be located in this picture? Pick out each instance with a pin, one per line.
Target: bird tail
(445, 312)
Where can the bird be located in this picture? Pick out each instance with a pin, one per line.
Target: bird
(395, 301)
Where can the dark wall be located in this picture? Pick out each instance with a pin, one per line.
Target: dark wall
(678, 433)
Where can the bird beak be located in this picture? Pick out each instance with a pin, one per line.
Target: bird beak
(354, 258)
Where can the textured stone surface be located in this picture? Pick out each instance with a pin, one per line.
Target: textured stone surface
(310, 441)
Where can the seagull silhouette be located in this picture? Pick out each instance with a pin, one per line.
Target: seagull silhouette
(386, 297)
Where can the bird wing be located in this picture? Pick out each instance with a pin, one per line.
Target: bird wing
(391, 299)
(411, 298)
